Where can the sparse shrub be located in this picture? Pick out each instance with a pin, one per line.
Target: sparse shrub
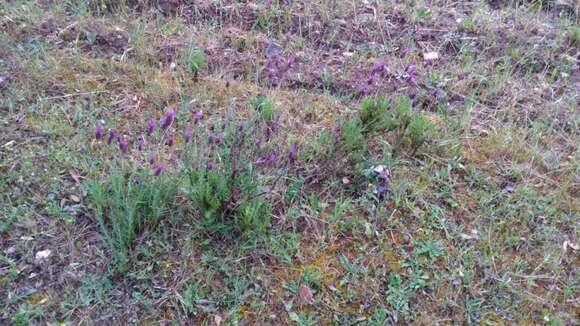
(373, 112)
(353, 139)
(574, 35)
(195, 59)
(264, 108)
(126, 203)
(420, 129)
(242, 161)
(375, 116)
(226, 167)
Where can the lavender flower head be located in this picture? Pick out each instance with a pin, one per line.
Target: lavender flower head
(141, 143)
(378, 67)
(411, 73)
(210, 165)
(405, 52)
(170, 139)
(99, 132)
(272, 159)
(187, 134)
(123, 145)
(151, 124)
(197, 116)
(292, 153)
(151, 158)
(224, 124)
(169, 117)
(157, 171)
(111, 137)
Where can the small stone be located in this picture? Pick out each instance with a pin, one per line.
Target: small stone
(431, 56)
(41, 256)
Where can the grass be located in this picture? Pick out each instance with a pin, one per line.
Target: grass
(474, 222)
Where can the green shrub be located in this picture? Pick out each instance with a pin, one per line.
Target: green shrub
(264, 108)
(126, 203)
(353, 139)
(373, 113)
(420, 129)
(228, 177)
(195, 59)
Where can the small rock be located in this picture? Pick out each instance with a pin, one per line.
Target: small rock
(430, 56)
(3, 82)
(11, 250)
(41, 256)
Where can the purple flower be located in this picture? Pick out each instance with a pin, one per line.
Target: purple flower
(111, 137)
(378, 67)
(141, 143)
(224, 124)
(169, 116)
(197, 116)
(170, 139)
(272, 159)
(411, 73)
(405, 52)
(292, 153)
(99, 132)
(157, 171)
(151, 124)
(187, 134)
(241, 127)
(210, 165)
(151, 158)
(123, 145)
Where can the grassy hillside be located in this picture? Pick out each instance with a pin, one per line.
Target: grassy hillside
(289, 162)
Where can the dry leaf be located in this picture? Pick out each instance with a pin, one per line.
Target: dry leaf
(305, 294)
(74, 175)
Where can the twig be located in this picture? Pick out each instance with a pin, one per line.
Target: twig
(72, 95)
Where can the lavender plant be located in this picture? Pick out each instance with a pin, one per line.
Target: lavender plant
(232, 168)
(227, 168)
(398, 119)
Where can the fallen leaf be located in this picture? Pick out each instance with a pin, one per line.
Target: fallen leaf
(74, 175)
(305, 294)
(75, 198)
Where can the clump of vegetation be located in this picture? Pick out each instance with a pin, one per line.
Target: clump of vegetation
(241, 162)
(195, 59)
(224, 166)
(376, 115)
(373, 112)
(126, 203)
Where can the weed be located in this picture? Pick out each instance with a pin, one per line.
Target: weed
(126, 203)
(373, 112)
(399, 296)
(195, 59)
